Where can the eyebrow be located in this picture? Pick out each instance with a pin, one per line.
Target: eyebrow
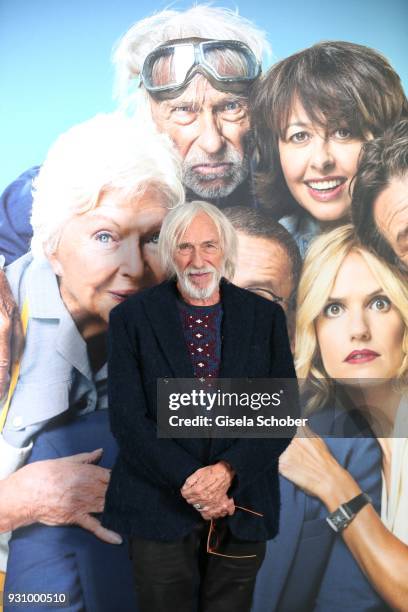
(339, 299)
(297, 124)
(177, 102)
(193, 102)
(209, 241)
(105, 218)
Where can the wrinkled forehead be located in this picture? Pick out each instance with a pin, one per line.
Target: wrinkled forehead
(199, 93)
(201, 226)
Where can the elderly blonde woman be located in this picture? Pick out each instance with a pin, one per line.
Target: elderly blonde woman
(99, 202)
(352, 333)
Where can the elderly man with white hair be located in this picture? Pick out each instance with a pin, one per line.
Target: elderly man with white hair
(192, 71)
(99, 201)
(198, 511)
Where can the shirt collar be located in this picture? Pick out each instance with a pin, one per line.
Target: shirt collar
(45, 302)
(45, 298)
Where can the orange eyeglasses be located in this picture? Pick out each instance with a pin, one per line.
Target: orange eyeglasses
(213, 539)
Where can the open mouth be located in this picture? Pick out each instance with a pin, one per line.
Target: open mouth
(326, 185)
(324, 190)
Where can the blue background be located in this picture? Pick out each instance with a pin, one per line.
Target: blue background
(55, 55)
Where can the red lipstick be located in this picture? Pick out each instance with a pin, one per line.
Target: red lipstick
(361, 356)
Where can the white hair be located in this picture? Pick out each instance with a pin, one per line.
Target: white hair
(202, 21)
(108, 152)
(176, 223)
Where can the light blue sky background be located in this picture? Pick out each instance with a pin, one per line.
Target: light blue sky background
(55, 55)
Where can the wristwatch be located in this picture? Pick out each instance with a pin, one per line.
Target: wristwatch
(340, 518)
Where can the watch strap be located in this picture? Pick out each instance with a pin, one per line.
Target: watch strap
(342, 517)
(357, 503)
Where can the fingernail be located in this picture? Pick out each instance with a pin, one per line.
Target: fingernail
(116, 539)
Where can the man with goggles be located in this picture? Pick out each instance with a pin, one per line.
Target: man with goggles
(198, 94)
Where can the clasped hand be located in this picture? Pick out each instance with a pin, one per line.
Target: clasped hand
(208, 488)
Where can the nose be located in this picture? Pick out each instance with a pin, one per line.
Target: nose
(196, 258)
(210, 138)
(322, 156)
(359, 326)
(131, 261)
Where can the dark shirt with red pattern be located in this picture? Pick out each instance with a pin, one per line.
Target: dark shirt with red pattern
(202, 334)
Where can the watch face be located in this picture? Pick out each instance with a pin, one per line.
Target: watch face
(338, 519)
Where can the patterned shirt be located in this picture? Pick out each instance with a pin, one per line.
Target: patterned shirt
(202, 334)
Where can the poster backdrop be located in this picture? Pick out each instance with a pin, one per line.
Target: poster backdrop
(55, 56)
(55, 67)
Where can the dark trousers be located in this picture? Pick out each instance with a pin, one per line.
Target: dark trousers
(180, 575)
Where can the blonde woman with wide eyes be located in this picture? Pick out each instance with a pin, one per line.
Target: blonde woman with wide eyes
(352, 331)
(311, 113)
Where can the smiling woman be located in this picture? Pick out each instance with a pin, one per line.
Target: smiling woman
(312, 113)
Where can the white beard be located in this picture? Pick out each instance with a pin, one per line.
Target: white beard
(211, 186)
(199, 293)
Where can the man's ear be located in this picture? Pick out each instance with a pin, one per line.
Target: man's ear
(55, 263)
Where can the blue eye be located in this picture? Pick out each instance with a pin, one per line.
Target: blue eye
(104, 237)
(380, 303)
(333, 310)
(232, 106)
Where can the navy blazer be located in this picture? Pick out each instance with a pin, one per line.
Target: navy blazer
(146, 342)
(308, 567)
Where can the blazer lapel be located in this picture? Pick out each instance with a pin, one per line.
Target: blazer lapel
(237, 326)
(162, 311)
(238, 319)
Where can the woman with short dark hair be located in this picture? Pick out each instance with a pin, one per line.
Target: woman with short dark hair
(311, 113)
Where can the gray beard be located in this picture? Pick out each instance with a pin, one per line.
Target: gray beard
(198, 293)
(203, 186)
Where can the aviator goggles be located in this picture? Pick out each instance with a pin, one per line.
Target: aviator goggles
(229, 65)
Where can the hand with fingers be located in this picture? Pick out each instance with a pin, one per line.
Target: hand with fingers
(208, 485)
(310, 465)
(65, 491)
(223, 507)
